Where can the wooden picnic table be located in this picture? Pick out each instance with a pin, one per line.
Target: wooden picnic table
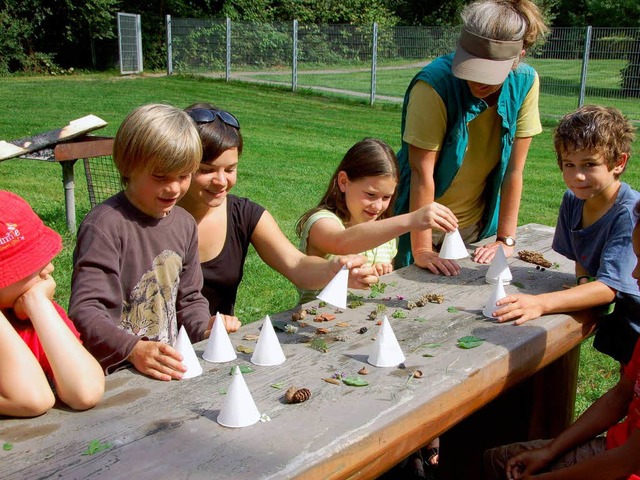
(519, 382)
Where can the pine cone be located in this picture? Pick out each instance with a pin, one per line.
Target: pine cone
(297, 395)
(534, 257)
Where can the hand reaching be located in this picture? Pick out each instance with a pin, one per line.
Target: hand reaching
(231, 324)
(158, 360)
(485, 253)
(518, 307)
(435, 216)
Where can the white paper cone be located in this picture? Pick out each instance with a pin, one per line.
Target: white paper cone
(499, 268)
(189, 358)
(453, 247)
(239, 409)
(386, 351)
(219, 348)
(497, 293)
(335, 293)
(268, 350)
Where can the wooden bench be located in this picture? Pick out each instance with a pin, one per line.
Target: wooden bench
(519, 382)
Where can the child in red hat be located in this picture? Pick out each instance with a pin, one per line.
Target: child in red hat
(38, 342)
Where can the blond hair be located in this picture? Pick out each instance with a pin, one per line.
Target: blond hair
(507, 20)
(594, 128)
(157, 138)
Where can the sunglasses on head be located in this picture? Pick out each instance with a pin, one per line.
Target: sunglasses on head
(206, 115)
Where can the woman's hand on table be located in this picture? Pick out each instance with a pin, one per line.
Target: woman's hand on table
(429, 260)
(485, 253)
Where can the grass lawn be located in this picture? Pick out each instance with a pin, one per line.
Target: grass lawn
(292, 144)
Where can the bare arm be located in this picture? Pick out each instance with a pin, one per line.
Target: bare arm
(305, 271)
(603, 414)
(422, 163)
(527, 307)
(24, 389)
(510, 196)
(77, 375)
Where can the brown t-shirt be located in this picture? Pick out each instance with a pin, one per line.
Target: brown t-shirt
(134, 277)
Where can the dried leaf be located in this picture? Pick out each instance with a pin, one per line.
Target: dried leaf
(322, 331)
(251, 337)
(243, 349)
(355, 382)
(335, 381)
(342, 324)
(363, 371)
(470, 341)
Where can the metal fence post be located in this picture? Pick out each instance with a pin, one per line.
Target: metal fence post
(169, 47)
(585, 66)
(139, 35)
(228, 61)
(294, 59)
(374, 61)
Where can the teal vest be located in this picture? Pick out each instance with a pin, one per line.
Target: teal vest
(462, 107)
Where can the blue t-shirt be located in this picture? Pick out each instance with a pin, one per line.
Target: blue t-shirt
(605, 251)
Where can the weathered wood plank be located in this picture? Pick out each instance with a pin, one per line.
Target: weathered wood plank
(75, 128)
(168, 430)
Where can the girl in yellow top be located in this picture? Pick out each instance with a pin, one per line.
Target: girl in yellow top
(354, 215)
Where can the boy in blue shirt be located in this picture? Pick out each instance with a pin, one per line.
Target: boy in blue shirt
(594, 229)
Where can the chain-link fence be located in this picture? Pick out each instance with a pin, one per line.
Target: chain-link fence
(575, 65)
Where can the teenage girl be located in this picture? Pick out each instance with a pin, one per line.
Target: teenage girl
(354, 215)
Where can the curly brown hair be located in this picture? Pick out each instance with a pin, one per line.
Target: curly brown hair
(594, 128)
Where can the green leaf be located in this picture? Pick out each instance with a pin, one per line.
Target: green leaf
(278, 385)
(452, 310)
(319, 344)
(243, 369)
(222, 391)
(322, 304)
(420, 319)
(517, 284)
(355, 381)
(470, 342)
(377, 289)
(432, 345)
(96, 446)
(399, 314)
(427, 355)
(7, 446)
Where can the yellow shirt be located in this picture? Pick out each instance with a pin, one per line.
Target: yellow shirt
(426, 124)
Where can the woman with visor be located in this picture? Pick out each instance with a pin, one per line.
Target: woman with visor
(228, 224)
(467, 123)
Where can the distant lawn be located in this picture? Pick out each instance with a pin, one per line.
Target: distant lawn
(292, 144)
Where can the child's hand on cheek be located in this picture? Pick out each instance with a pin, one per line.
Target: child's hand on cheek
(43, 289)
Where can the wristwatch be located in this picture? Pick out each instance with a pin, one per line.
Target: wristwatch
(507, 240)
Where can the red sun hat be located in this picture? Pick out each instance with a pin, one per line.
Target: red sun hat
(26, 243)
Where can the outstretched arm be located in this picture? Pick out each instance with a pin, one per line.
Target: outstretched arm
(522, 308)
(77, 375)
(24, 390)
(305, 271)
(613, 464)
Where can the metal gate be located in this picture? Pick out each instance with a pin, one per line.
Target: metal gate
(129, 43)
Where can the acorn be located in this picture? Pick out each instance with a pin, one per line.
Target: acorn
(297, 395)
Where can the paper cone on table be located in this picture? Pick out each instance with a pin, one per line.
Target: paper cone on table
(219, 348)
(189, 358)
(496, 294)
(268, 351)
(386, 351)
(453, 247)
(335, 293)
(499, 268)
(239, 409)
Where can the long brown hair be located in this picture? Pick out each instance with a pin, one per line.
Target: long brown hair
(369, 157)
